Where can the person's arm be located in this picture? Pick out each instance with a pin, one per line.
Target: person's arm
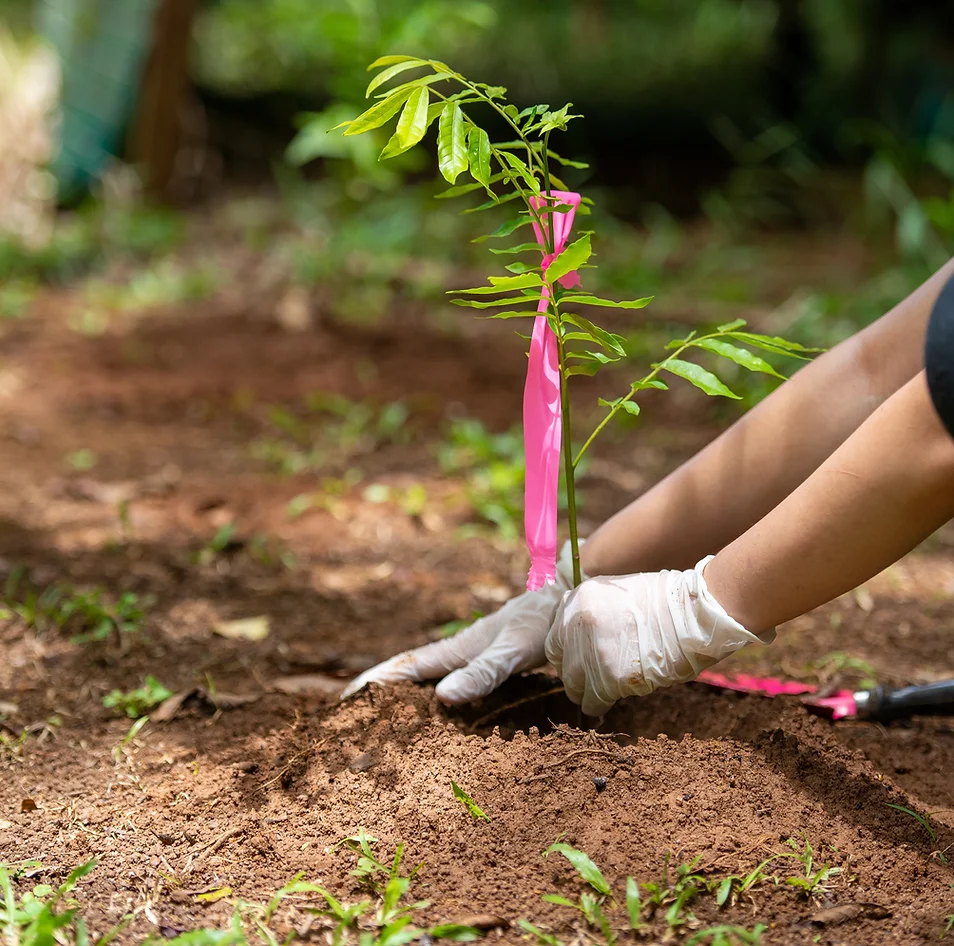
(888, 487)
(747, 471)
(885, 490)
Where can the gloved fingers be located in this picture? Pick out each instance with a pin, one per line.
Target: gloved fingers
(593, 702)
(431, 660)
(514, 649)
(564, 650)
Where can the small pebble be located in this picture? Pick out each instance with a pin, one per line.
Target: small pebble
(600, 783)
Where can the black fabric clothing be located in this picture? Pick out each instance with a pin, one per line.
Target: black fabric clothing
(939, 355)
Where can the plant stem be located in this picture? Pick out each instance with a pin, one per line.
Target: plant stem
(568, 464)
(638, 386)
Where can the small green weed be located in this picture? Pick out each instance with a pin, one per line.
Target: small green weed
(733, 888)
(135, 703)
(728, 936)
(815, 879)
(926, 824)
(87, 614)
(45, 915)
(455, 627)
(475, 811)
(221, 541)
(840, 662)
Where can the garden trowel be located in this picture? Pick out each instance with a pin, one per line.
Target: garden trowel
(880, 704)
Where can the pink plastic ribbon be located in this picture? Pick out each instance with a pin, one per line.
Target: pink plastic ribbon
(542, 414)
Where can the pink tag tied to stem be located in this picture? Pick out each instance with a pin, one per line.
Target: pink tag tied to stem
(542, 407)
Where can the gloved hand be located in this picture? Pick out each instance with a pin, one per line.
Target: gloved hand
(617, 637)
(482, 656)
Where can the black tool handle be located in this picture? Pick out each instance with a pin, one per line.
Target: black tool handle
(883, 704)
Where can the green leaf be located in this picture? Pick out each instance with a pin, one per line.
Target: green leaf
(775, 344)
(391, 72)
(474, 304)
(583, 866)
(697, 375)
(505, 229)
(586, 299)
(730, 326)
(519, 248)
(468, 803)
(608, 340)
(391, 60)
(465, 188)
(512, 314)
(495, 202)
(478, 155)
(557, 899)
(645, 385)
(414, 84)
(589, 370)
(597, 356)
(566, 162)
(378, 114)
(633, 904)
(521, 169)
(451, 143)
(504, 284)
(740, 356)
(631, 407)
(724, 891)
(570, 260)
(413, 121)
(519, 267)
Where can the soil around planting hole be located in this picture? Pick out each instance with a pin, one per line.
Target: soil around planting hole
(260, 772)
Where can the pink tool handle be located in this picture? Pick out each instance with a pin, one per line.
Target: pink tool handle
(542, 414)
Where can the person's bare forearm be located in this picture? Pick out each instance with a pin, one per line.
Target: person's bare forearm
(886, 489)
(746, 472)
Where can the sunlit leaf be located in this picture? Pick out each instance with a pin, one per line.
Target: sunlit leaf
(391, 60)
(697, 375)
(451, 143)
(504, 284)
(586, 299)
(740, 356)
(414, 84)
(478, 155)
(413, 121)
(391, 72)
(570, 260)
(731, 326)
(510, 300)
(521, 268)
(589, 369)
(378, 114)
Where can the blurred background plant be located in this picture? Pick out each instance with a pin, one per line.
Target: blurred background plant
(709, 125)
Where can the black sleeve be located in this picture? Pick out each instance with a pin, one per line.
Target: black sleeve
(939, 355)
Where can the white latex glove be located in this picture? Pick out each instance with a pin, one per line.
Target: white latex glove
(627, 636)
(479, 658)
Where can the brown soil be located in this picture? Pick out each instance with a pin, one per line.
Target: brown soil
(247, 796)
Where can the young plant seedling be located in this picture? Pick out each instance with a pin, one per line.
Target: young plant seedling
(475, 811)
(814, 881)
(522, 170)
(589, 905)
(138, 702)
(731, 889)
